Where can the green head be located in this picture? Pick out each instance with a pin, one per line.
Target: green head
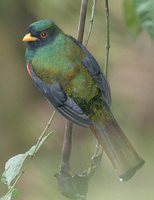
(41, 33)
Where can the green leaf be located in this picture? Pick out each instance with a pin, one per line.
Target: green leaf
(12, 168)
(145, 13)
(14, 165)
(139, 15)
(9, 195)
(131, 17)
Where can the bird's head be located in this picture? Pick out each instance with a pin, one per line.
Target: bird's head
(41, 33)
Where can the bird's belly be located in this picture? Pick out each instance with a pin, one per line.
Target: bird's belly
(86, 95)
(81, 87)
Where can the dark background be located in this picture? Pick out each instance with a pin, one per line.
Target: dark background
(24, 112)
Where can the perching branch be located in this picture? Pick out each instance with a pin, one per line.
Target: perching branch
(66, 150)
(76, 186)
(67, 142)
(107, 46)
(69, 185)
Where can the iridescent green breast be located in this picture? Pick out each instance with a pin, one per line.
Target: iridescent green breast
(49, 61)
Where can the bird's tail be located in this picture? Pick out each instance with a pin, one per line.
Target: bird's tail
(117, 147)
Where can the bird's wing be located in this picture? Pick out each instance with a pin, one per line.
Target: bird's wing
(61, 101)
(95, 71)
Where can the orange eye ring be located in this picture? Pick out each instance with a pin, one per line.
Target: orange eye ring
(44, 34)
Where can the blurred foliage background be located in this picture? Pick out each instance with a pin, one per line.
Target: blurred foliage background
(24, 112)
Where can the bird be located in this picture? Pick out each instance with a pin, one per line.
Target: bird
(72, 81)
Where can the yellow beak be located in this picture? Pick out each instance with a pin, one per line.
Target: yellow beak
(29, 38)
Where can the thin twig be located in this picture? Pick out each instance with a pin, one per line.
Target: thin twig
(107, 46)
(45, 130)
(36, 147)
(91, 21)
(14, 184)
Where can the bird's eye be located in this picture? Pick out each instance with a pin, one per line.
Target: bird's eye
(44, 34)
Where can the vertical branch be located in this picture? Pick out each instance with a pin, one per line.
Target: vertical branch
(82, 19)
(91, 21)
(107, 46)
(67, 144)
